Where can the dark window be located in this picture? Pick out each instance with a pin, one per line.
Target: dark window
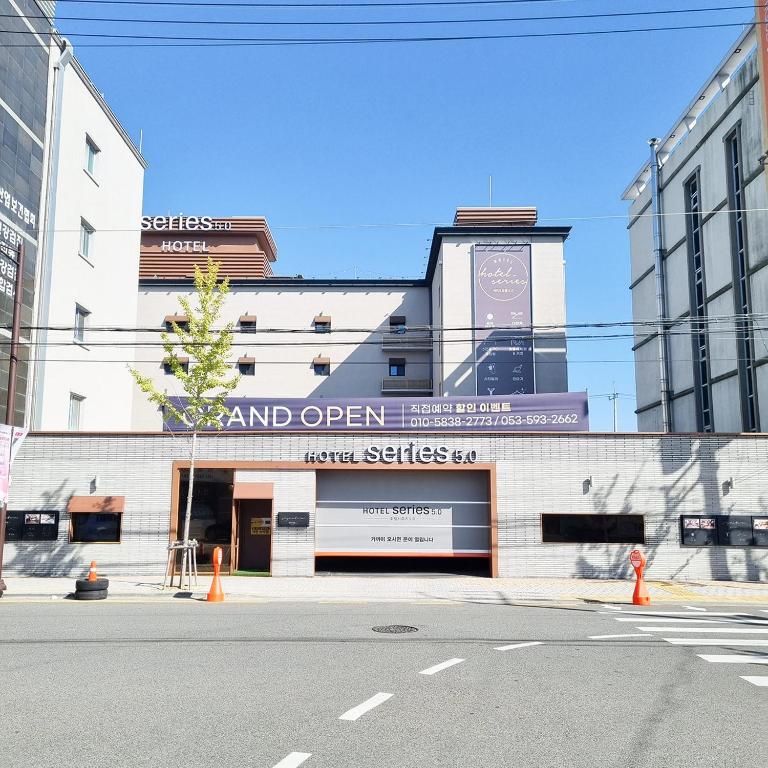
(247, 326)
(322, 369)
(744, 331)
(698, 304)
(168, 370)
(397, 324)
(593, 529)
(322, 326)
(181, 323)
(396, 366)
(95, 527)
(246, 369)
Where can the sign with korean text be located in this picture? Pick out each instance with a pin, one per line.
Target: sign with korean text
(553, 412)
(503, 319)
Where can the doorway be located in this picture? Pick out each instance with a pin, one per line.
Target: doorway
(254, 535)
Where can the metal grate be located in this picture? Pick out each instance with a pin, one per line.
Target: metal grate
(395, 629)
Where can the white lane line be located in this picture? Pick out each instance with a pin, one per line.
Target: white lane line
(694, 608)
(440, 667)
(676, 613)
(357, 712)
(760, 680)
(610, 637)
(612, 608)
(669, 620)
(719, 630)
(516, 645)
(714, 641)
(725, 659)
(293, 760)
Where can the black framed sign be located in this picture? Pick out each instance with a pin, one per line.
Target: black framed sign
(31, 525)
(760, 531)
(293, 519)
(698, 531)
(723, 531)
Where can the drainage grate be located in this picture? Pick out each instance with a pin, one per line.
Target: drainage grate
(395, 629)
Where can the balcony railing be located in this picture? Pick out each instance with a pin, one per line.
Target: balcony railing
(403, 340)
(398, 384)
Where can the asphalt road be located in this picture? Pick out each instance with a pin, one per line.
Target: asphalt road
(267, 684)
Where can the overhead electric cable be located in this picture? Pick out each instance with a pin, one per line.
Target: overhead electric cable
(399, 4)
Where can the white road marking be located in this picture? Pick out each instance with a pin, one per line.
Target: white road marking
(677, 613)
(516, 645)
(440, 667)
(760, 680)
(358, 711)
(293, 760)
(694, 608)
(613, 607)
(668, 620)
(610, 637)
(725, 659)
(726, 630)
(714, 641)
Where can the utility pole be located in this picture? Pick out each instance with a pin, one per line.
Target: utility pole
(615, 397)
(9, 406)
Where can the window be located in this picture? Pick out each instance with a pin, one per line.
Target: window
(723, 531)
(397, 366)
(182, 321)
(593, 529)
(81, 318)
(87, 234)
(742, 303)
(96, 527)
(247, 323)
(168, 368)
(91, 154)
(75, 410)
(697, 289)
(321, 366)
(246, 366)
(322, 324)
(397, 324)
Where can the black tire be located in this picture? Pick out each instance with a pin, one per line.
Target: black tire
(83, 585)
(100, 594)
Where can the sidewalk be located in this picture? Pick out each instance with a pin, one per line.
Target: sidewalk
(402, 589)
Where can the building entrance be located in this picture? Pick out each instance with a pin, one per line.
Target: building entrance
(254, 539)
(415, 521)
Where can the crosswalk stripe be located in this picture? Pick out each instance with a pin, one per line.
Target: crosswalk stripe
(760, 680)
(678, 613)
(713, 641)
(725, 630)
(694, 608)
(731, 659)
(676, 620)
(611, 637)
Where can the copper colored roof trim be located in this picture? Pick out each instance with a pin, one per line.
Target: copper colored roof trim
(322, 319)
(100, 504)
(176, 319)
(247, 319)
(246, 360)
(321, 361)
(182, 360)
(517, 216)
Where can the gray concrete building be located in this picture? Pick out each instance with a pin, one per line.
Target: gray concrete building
(698, 228)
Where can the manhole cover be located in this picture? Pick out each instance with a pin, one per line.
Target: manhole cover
(395, 629)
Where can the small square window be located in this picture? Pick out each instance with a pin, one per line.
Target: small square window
(87, 234)
(168, 368)
(247, 323)
(322, 326)
(181, 321)
(397, 324)
(246, 367)
(91, 156)
(397, 366)
(322, 369)
(96, 527)
(81, 318)
(75, 410)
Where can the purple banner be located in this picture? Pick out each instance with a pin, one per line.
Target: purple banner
(556, 412)
(502, 319)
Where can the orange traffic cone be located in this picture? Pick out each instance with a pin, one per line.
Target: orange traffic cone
(216, 593)
(92, 575)
(641, 596)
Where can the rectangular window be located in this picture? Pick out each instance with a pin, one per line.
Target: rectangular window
(96, 527)
(168, 368)
(246, 367)
(397, 366)
(697, 288)
(91, 155)
(87, 234)
(742, 303)
(81, 318)
(593, 529)
(322, 324)
(322, 369)
(75, 410)
(397, 324)
(247, 323)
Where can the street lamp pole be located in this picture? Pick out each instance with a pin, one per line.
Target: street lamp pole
(12, 366)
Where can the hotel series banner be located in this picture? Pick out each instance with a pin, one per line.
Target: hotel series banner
(503, 319)
(555, 412)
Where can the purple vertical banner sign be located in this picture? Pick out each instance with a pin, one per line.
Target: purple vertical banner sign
(503, 319)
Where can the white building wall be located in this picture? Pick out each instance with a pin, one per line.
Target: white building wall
(283, 368)
(104, 283)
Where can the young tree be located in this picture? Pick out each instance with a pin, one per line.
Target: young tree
(207, 382)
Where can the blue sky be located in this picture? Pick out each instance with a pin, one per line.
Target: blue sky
(326, 140)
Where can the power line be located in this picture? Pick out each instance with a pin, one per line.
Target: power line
(400, 4)
(385, 22)
(178, 41)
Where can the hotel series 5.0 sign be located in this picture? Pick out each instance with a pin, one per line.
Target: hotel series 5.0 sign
(395, 454)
